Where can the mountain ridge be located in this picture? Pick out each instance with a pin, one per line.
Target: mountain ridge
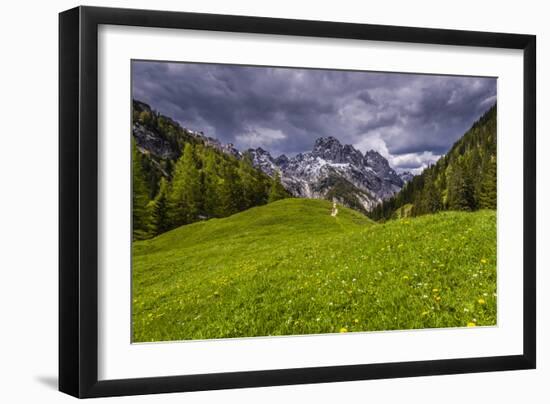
(368, 178)
(330, 170)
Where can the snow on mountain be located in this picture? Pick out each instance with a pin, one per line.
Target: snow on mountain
(330, 171)
(335, 171)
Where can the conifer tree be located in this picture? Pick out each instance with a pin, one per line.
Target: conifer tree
(456, 185)
(185, 197)
(230, 190)
(276, 191)
(210, 185)
(141, 219)
(488, 193)
(430, 200)
(249, 182)
(159, 209)
(461, 189)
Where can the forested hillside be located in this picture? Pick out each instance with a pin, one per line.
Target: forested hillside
(465, 179)
(180, 177)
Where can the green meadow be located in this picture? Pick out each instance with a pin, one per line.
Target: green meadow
(290, 268)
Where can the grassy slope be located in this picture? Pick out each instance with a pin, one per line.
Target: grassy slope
(290, 268)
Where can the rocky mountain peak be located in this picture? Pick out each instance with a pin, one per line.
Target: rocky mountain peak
(331, 170)
(261, 151)
(376, 160)
(282, 161)
(262, 159)
(328, 148)
(352, 155)
(327, 141)
(381, 167)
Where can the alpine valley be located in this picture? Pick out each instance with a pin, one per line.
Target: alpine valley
(330, 171)
(232, 243)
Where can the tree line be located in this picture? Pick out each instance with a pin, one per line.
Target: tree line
(202, 183)
(464, 179)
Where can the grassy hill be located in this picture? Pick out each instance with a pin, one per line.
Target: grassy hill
(289, 268)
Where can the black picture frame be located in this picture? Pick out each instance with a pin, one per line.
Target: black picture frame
(78, 201)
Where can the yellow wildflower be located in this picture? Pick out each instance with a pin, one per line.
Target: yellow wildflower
(435, 290)
(405, 277)
(483, 261)
(343, 329)
(356, 321)
(470, 324)
(481, 301)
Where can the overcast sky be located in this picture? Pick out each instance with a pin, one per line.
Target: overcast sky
(411, 119)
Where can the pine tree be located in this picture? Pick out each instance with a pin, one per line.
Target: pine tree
(488, 193)
(430, 199)
(455, 196)
(141, 219)
(461, 192)
(159, 209)
(276, 191)
(230, 190)
(185, 197)
(210, 185)
(249, 183)
(476, 170)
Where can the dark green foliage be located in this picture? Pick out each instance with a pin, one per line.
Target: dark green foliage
(464, 179)
(276, 191)
(231, 190)
(185, 196)
(461, 187)
(253, 187)
(211, 184)
(198, 182)
(141, 218)
(488, 193)
(159, 209)
(428, 201)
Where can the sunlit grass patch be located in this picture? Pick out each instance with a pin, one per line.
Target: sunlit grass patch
(289, 268)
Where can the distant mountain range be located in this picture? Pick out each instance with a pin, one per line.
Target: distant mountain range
(334, 171)
(330, 171)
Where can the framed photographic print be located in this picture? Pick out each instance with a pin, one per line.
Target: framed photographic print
(251, 201)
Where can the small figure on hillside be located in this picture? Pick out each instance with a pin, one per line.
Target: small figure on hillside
(334, 209)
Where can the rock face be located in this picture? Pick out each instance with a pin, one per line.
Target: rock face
(334, 171)
(151, 142)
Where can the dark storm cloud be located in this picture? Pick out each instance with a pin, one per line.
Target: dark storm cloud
(412, 119)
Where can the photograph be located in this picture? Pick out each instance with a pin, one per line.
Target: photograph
(276, 201)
